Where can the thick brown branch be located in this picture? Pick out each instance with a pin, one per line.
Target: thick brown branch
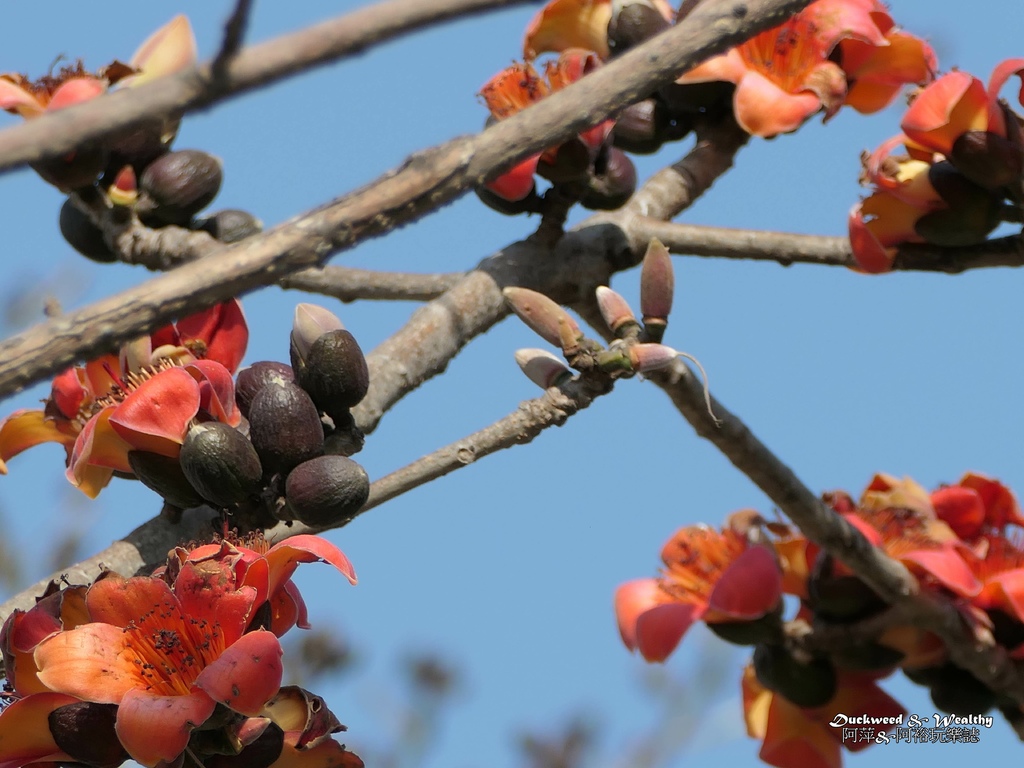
(58, 133)
(351, 284)
(428, 180)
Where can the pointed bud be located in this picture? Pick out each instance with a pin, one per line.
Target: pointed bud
(657, 286)
(542, 368)
(124, 191)
(651, 357)
(614, 310)
(310, 323)
(542, 315)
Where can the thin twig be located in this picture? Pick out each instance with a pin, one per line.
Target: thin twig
(351, 284)
(234, 34)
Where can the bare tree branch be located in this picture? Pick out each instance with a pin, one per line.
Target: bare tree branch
(57, 133)
(426, 181)
(786, 248)
(234, 33)
(351, 284)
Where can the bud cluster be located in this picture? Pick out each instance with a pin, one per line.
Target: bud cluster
(637, 348)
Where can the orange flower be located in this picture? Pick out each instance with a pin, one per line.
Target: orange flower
(794, 737)
(166, 656)
(517, 87)
(786, 74)
(169, 49)
(268, 569)
(709, 576)
(957, 103)
(144, 400)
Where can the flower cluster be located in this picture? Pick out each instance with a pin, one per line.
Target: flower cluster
(833, 53)
(168, 411)
(963, 543)
(962, 159)
(186, 661)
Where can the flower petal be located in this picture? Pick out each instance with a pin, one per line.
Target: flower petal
(155, 417)
(25, 429)
(750, 587)
(75, 91)
(14, 98)
(156, 729)
(247, 675)
(223, 331)
(170, 49)
(88, 662)
(25, 732)
(563, 24)
(207, 594)
(285, 557)
(516, 183)
(952, 105)
(764, 109)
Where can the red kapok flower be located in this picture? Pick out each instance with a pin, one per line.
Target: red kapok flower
(709, 576)
(143, 400)
(975, 505)
(786, 74)
(517, 87)
(268, 569)
(166, 656)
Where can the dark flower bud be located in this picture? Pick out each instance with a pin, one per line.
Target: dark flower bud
(165, 476)
(230, 225)
(84, 236)
(810, 684)
(634, 23)
(85, 731)
(765, 629)
(612, 184)
(74, 170)
(335, 376)
(571, 162)
(987, 159)
(327, 490)
(640, 127)
(180, 184)
(840, 599)
(221, 463)
(867, 657)
(958, 692)
(284, 427)
(252, 379)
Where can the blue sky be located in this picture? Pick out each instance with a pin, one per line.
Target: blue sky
(508, 567)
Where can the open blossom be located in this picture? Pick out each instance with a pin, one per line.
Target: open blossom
(832, 53)
(709, 576)
(143, 400)
(137, 667)
(169, 49)
(517, 87)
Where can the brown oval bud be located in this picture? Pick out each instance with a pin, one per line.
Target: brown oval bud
(230, 225)
(85, 731)
(614, 309)
(164, 475)
(640, 127)
(528, 204)
(220, 463)
(335, 376)
(613, 182)
(84, 236)
(765, 629)
(180, 184)
(987, 159)
(541, 314)
(632, 24)
(75, 170)
(327, 490)
(252, 379)
(958, 692)
(284, 427)
(571, 162)
(657, 289)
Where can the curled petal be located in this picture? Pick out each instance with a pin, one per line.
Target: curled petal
(247, 675)
(1003, 72)
(156, 729)
(728, 67)
(216, 391)
(285, 557)
(25, 429)
(952, 105)
(879, 72)
(75, 91)
(764, 109)
(515, 184)
(97, 453)
(155, 417)
(68, 392)
(88, 662)
(961, 509)
(750, 587)
(222, 330)
(14, 98)
(947, 567)
(563, 24)
(1005, 591)
(207, 593)
(648, 622)
(1001, 507)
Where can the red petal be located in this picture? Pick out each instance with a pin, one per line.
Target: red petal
(247, 675)
(947, 567)
(25, 429)
(659, 630)
(68, 392)
(75, 91)
(954, 103)
(749, 588)
(157, 728)
(764, 109)
(960, 508)
(216, 391)
(88, 662)
(517, 183)
(222, 329)
(285, 557)
(156, 416)
(207, 593)
(122, 602)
